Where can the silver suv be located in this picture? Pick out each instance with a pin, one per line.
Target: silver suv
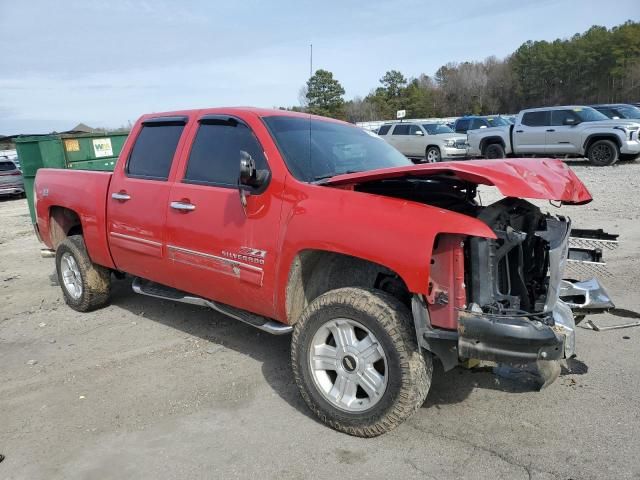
(425, 142)
(11, 181)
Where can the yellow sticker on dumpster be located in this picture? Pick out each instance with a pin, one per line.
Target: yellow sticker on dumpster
(71, 145)
(102, 147)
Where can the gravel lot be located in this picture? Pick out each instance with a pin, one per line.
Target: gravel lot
(153, 389)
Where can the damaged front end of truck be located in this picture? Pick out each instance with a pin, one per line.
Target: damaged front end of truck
(514, 298)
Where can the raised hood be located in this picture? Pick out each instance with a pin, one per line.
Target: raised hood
(544, 178)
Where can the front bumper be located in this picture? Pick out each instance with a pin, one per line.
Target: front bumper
(13, 190)
(504, 338)
(452, 152)
(630, 147)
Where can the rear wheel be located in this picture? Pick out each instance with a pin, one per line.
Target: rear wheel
(356, 362)
(432, 155)
(602, 153)
(85, 285)
(495, 150)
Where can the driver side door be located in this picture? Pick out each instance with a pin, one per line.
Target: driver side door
(216, 247)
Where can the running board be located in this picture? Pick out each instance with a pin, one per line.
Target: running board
(157, 290)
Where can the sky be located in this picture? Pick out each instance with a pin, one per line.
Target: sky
(105, 63)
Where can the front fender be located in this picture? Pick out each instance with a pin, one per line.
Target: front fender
(395, 233)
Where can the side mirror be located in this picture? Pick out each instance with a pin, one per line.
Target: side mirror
(250, 177)
(615, 117)
(483, 126)
(420, 133)
(570, 121)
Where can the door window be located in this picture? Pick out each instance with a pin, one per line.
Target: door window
(478, 123)
(559, 116)
(153, 151)
(462, 125)
(401, 129)
(536, 119)
(384, 129)
(215, 156)
(413, 129)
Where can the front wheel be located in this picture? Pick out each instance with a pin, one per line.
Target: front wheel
(495, 150)
(602, 153)
(356, 361)
(432, 155)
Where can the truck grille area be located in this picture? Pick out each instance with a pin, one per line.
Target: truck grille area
(518, 273)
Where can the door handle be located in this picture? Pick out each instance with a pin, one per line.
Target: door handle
(121, 196)
(183, 206)
(519, 131)
(551, 130)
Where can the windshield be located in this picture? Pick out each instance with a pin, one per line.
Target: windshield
(6, 166)
(588, 114)
(436, 128)
(316, 149)
(629, 111)
(497, 121)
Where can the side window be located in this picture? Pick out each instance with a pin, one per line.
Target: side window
(559, 116)
(401, 129)
(413, 129)
(153, 151)
(384, 129)
(462, 125)
(477, 123)
(215, 154)
(536, 119)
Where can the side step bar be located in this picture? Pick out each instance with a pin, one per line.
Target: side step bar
(153, 289)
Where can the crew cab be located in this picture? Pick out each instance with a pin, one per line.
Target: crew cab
(569, 131)
(300, 224)
(425, 141)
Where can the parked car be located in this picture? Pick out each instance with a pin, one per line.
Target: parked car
(303, 224)
(473, 122)
(560, 131)
(619, 110)
(11, 181)
(425, 142)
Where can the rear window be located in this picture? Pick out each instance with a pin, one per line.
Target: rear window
(153, 151)
(6, 166)
(536, 119)
(384, 129)
(401, 130)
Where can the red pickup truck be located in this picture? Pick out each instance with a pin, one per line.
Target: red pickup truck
(303, 224)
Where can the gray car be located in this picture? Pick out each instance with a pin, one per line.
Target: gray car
(11, 181)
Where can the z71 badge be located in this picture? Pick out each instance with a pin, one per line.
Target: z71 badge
(247, 254)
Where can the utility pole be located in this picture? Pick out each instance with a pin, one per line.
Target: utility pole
(310, 60)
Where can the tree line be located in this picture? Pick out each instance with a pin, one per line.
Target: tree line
(598, 66)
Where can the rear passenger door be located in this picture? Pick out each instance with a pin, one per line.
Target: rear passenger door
(217, 248)
(138, 196)
(529, 136)
(399, 136)
(416, 143)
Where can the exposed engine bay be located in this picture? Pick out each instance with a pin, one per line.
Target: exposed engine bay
(503, 295)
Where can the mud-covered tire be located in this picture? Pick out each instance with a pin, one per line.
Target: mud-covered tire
(408, 372)
(94, 282)
(495, 150)
(603, 153)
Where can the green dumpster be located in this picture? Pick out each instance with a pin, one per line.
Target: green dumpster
(77, 151)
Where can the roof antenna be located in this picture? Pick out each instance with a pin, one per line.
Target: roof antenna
(310, 75)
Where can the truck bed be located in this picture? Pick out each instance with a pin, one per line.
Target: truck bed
(84, 192)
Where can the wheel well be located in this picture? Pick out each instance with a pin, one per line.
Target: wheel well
(63, 223)
(594, 138)
(429, 146)
(485, 142)
(314, 272)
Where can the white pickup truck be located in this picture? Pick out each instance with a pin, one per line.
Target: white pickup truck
(569, 131)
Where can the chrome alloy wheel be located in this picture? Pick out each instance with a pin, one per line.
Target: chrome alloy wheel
(71, 275)
(348, 365)
(433, 155)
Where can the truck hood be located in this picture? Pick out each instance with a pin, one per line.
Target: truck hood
(447, 136)
(545, 178)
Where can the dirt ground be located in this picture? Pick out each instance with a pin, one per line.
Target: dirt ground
(152, 389)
